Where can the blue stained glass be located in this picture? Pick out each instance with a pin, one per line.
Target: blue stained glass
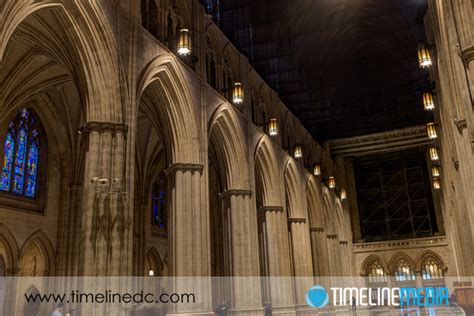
(19, 169)
(7, 162)
(32, 169)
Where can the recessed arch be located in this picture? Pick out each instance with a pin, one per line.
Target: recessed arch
(176, 116)
(423, 256)
(294, 191)
(369, 261)
(154, 262)
(394, 260)
(315, 208)
(12, 252)
(227, 141)
(267, 174)
(41, 241)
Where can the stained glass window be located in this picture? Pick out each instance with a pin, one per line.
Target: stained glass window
(21, 156)
(376, 273)
(431, 269)
(404, 271)
(158, 197)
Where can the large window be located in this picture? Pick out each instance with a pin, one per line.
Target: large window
(158, 205)
(431, 269)
(404, 271)
(376, 273)
(21, 154)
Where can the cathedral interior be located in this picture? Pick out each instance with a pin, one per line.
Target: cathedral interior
(269, 140)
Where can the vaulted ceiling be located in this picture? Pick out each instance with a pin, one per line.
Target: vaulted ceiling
(344, 67)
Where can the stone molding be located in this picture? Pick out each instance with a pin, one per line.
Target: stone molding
(94, 126)
(468, 55)
(317, 229)
(461, 125)
(344, 242)
(297, 220)
(331, 236)
(235, 192)
(265, 209)
(192, 167)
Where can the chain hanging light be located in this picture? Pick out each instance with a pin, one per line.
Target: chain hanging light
(436, 183)
(434, 154)
(184, 42)
(238, 93)
(331, 182)
(424, 56)
(343, 194)
(273, 127)
(298, 151)
(428, 102)
(431, 131)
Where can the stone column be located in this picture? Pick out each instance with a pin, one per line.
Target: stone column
(242, 243)
(275, 251)
(189, 239)
(302, 259)
(320, 253)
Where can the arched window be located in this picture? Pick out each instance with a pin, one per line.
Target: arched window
(149, 13)
(21, 155)
(404, 271)
(158, 204)
(376, 273)
(431, 269)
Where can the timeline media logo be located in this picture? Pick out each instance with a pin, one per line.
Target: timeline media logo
(317, 297)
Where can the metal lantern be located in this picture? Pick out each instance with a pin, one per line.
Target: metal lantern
(436, 183)
(343, 194)
(424, 56)
(317, 169)
(298, 151)
(331, 182)
(434, 154)
(431, 130)
(273, 127)
(151, 272)
(435, 171)
(184, 43)
(428, 102)
(238, 93)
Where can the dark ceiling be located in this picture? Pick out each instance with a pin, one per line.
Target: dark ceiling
(344, 67)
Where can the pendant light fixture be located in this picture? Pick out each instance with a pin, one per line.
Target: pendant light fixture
(436, 183)
(298, 151)
(428, 102)
(435, 171)
(273, 127)
(237, 93)
(424, 56)
(431, 131)
(331, 182)
(434, 154)
(317, 169)
(184, 42)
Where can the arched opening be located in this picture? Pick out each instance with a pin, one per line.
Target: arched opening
(149, 12)
(402, 268)
(432, 269)
(32, 308)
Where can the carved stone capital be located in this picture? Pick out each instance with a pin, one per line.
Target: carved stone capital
(265, 209)
(235, 192)
(297, 220)
(343, 242)
(183, 167)
(95, 126)
(331, 236)
(468, 55)
(461, 125)
(317, 229)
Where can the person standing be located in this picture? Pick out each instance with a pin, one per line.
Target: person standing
(59, 310)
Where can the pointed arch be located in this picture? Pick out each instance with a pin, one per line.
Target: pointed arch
(41, 240)
(295, 191)
(267, 174)
(227, 141)
(83, 34)
(315, 207)
(154, 261)
(369, 261)
(427, 254)
(11, 248)
(162, 81)
(328, 213)
(394, 260)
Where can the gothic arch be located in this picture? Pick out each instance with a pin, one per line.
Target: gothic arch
(40, 240)
(11, 248)
(369, 261)
(82, 34)
(214, 35)
(267, 174)
(328, 213)
(392, 264)
(294, 191)
(232, 56)
(418, 265)
(162, 81)
(227, 140)
(315, 209)
(154, 261)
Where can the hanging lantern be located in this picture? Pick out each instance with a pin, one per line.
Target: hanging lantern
(428, 102)
(424, 57)
(317, 169)
(273, 127)
(331, 182)
(435, 171)
(298, 151)
(343, 194)
(184, 43)
(151, 272)
(434, 154)
(238, 93)
(431, 130)
(436, 183)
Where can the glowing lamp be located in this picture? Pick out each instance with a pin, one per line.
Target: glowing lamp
(317, 169)
(298, 151)
(273, 127)
(435, 171)
(151, 272)
(434, 154)
(238, 93)
(436, 183)
(331, 182)
(343, 194)
(428, 102)
(184, 43)
(424, 56)
(431, 131)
